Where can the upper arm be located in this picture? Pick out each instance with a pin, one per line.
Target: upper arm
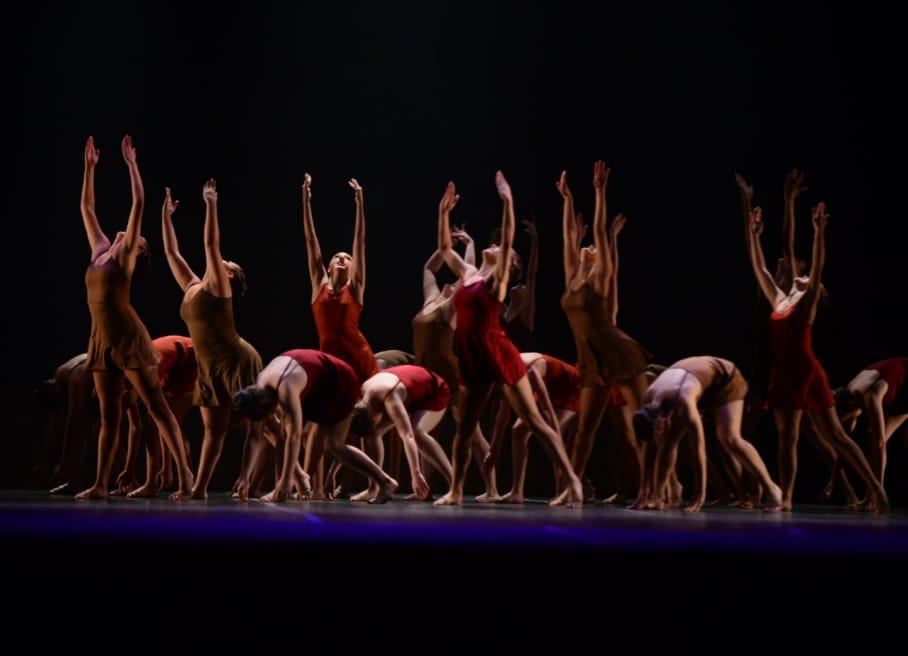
(456, 264)
(397, 412)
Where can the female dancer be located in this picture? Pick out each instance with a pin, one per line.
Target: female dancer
(412, 400)
(881, 391)
(605, 355)
(306, 385)
(337, 292)
(797, 381)
(484, 353)
(673, 405)
(433, 344)
(119, 347)
(227, 362)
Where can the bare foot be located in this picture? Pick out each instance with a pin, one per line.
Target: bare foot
(147, 491)
(385, 492)
(199, 495)
(512, 497)
(415, 497)
(608, 501)
(489, 497)
(773, 500)
(318, 495)
(366, 496)
(450, 499)
(93, 492)
(561, 499)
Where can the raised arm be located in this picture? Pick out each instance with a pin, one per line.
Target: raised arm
(359, 243)
(528, 307)
(184, 276)
(793, 188)
(215, 270)
(97, 240)
(571, 245)
(134, 225)
(820, 220)
(757, 261)
(600, 236)
(460, 236)
(430, 289)
(317, 273)
(445, 242)
(503, 265)
(614, 230)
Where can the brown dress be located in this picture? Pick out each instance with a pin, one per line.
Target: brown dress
(227, 362)
(433, 344)
(394, 358)
(721, 381)
(118, 339)
(605, 354)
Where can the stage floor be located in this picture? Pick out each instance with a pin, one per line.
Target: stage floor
(36, 518)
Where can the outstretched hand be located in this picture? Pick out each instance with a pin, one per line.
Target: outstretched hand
(170, 205)
(504, 189)
(460, 234)
(617, 225)
(129, 151)
(794, 185)
(92, 154)
(756, 221)
(600, 175)
(562, 185)
(820, 217)
(307, 187)
(210, 191)
(449, 199)
(357, 189)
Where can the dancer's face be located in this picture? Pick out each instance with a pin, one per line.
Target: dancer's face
(340, 263)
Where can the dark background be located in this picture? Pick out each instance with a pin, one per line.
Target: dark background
(407, 96)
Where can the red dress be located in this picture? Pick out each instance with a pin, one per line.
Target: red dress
(177, 369)
(484, 352)
(893, 371)
(797, 380)
(337, 322)
(426, 390)
(332, 389)
(562, 382)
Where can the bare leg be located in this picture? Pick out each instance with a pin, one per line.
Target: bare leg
(831, 429)
(520, 437)
(217, 422)
(109, 386)
(728, 421)
(146, 383)
(788, 425)
(520, 396)
(349, 456)
(469, 407)
(374, 447)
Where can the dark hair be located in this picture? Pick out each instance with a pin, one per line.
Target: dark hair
(143, 259)
(255, 402)
(846, 400)
(645, 423)
(238, 282)
(361, 421)
(646, 417)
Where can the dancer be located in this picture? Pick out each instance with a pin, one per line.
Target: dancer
(226, 362)
(484, 353)
(120, 348)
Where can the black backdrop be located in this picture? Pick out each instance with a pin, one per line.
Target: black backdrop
(407, 96)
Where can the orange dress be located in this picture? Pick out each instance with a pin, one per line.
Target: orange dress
(337, 322)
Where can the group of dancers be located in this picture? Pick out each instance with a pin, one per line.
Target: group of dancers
(472, 351)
